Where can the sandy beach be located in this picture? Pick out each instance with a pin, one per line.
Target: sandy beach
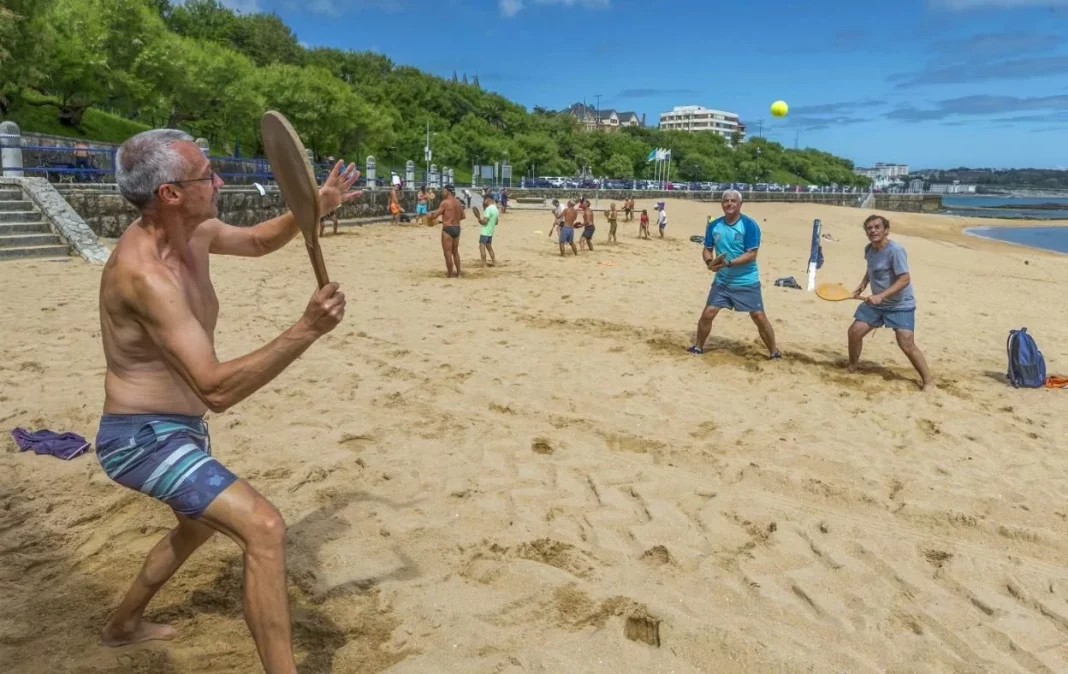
(511, 471)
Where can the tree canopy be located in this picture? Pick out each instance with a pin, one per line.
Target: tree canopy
(212, 71)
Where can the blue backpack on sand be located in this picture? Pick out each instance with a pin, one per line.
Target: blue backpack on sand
(1027, 367)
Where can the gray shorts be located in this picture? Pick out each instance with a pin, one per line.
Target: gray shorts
(739, 298)
(895, 319)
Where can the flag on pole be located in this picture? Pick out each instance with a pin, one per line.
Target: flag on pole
(652, 156)
(815, 255)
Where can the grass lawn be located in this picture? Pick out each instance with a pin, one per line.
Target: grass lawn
(96, 124)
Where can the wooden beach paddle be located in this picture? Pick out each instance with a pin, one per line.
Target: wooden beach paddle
(834, 292)
(296, 180)
(477, 213)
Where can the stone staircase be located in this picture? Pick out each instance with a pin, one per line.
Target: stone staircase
(24, 232)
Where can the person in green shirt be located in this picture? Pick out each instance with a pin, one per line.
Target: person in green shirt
(489, 225)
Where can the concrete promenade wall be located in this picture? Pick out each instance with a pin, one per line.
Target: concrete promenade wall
(913, 203)
(108, 214)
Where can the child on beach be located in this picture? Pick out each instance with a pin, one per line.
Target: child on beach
(611, 215)
(643, 225)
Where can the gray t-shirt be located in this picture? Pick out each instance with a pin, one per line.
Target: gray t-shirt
(883, 267)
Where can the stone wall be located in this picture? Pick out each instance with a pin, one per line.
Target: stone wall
(108, 214)
(914, 203)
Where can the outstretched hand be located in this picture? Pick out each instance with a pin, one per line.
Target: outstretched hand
(335, 190)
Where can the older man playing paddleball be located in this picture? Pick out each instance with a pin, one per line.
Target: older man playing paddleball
(731, 246)
(158, 311)
(892, 303)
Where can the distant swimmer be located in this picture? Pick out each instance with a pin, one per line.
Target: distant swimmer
(892, 303)
(451, 212)
(730, 250)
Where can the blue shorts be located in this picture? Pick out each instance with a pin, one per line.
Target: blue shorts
(488, 240)
(567, 234)
(896, 319)
(420, 209)
(587, 231)
(166, 456)
(739, 298)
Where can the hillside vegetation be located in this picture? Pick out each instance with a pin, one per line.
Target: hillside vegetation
(202, 67)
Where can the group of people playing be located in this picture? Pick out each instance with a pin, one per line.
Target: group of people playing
(159, 311)
(566, 221)
(730, 250)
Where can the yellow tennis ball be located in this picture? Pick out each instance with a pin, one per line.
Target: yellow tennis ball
(779, 108)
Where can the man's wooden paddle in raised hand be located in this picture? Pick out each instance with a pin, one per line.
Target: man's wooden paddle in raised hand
(296, 180)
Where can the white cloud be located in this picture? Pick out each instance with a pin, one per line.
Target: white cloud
(510, 8)
(965, 5)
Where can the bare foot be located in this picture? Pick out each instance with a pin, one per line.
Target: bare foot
(112, 636)
(928, 386)
(851, 369)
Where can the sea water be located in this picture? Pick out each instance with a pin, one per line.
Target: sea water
(1050, 238)
(982, 207)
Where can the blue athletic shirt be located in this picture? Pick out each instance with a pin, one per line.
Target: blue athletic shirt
(733, 241)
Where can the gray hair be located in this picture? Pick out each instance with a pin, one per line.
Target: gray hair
(732, 193)
(146, 161)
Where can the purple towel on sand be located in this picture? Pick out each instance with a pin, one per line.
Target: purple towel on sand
(65, 446)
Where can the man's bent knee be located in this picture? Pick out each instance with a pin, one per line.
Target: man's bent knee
(905, 339)
(268, 527)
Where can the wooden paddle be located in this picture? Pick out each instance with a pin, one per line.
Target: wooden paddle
(834, 292)
(477, 213)
(296, 180)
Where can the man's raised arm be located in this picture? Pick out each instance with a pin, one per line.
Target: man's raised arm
(273, 234)
(160, 306)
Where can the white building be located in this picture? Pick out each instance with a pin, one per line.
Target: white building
(952, 188)
(697, 118)
(883, 172)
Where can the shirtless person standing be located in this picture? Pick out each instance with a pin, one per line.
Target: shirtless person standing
(158, 312)
(422, 202)
(451, 212)
(394, 203)
(588, 227)
(567, 229)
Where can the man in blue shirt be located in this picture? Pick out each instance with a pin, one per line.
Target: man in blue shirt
(892, 303)
(731, 246)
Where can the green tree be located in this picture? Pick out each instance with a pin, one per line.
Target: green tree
(330, 118)
(266, 39)
(204, 20)
(619, 166)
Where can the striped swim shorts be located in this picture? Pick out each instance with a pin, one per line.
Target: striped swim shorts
(166, 456)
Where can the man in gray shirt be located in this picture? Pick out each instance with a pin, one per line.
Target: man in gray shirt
(892, 303)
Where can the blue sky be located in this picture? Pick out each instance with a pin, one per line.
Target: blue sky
(931, 83)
